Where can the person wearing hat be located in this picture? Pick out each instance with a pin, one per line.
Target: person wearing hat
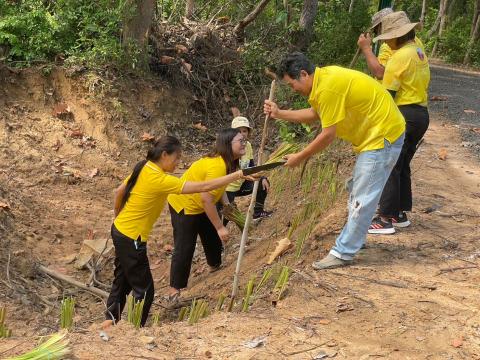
(356, 108)
(244, 187)
(376, 65)
(406, 77)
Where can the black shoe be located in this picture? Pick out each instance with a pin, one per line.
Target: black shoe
(401, 220)
(378, 226)
(262, 214)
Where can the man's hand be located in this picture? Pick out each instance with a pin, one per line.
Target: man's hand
(294, 159)
(271, 108)
(265, 185)
(364, 41)
(223, 234)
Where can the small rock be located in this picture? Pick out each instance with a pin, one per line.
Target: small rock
(456, 343)
(208, 354)
(104, 336)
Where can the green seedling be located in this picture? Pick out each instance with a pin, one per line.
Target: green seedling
(220, 301)
(4, 331)
(134, 311)
(67, 311)
(248, 294)
(55, 348)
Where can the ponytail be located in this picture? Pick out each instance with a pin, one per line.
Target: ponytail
(168, 144)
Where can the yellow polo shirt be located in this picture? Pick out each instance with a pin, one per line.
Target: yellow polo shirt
(206, 168)
(408, 73)
(385, 52)
(244, 162)
(362, 110)
(146, 201)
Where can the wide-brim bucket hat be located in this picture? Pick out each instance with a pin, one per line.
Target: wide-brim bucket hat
(378, 17)
(395, 25)
(240, 121)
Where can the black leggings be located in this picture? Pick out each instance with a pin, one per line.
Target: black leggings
(397, 193)
(247, 189)
(132, 273)
(186, 228)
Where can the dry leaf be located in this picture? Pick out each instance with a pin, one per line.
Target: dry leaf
(476, 130)
(235, 111)
(324, 321)
(62, 111)
(4, 205)
(442, 154)
(147, 137)
(181, 49)
(468, 111)
(76, 134)
(93, 173)
(199, 126)
(166, 59)
(57, 145)
(438, 98)
(456, 343)
(282, 246)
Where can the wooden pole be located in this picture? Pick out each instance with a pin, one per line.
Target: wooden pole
(243, 241)
(72, 281)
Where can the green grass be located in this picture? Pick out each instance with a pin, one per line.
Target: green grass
(67, 311)
(4, 331)
(248, 294)
(134, 311)
(55, 348)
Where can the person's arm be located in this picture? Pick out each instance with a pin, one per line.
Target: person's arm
(324, 139)
(212, 214)
(365, 44)
(306, 116)
(119, 193)
(192, 187)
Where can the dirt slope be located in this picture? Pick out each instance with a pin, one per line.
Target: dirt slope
(413, 295)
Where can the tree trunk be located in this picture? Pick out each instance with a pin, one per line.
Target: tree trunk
(239, 29)
(288, 9)
(137, 25)
(475, 35)
(424, 12)
(307, 19)
(443, 18)
(435, 26)
(476, 14)
(190, 8)
(350, 8)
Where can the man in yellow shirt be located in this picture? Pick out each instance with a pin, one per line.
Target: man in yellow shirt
(376, 65)
(354, 107)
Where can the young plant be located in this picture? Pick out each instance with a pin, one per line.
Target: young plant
(183, 313)
(156, 319)
(282, 282)
(248, 294)
(282, 150)
(67, 311)
(4, 331)
(266, 276)
(232, 213)
(198, 310)
(134, 311)
(55, 348)
(220, 301)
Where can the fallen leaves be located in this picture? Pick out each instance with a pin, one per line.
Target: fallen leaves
(200, 127)
(147, 137)
(93, 173)
(438, 98)
(4, 205)
(282, 246)
(458, 342)
(62, 111)
(442, 154)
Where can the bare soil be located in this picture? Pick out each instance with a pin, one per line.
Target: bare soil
(412, 295)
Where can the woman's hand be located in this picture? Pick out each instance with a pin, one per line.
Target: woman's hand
(223, 234)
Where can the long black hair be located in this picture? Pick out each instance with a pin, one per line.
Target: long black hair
(167, 143)
(223, 148)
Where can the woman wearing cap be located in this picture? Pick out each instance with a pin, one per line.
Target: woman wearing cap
(196, 214)
(245, 187)
(139, 201)
(406, 77)
(376, 65)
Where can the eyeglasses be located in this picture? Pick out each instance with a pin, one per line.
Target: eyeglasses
(241, 141)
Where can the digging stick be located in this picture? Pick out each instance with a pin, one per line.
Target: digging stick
(248, 220)
(72, 281)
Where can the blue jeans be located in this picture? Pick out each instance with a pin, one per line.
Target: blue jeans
(370, 174)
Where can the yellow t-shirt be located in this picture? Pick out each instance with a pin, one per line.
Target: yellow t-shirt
(244, 162)
(408, 73)
(385, 52)
(146, 201)
(206, 168)
(362, 110)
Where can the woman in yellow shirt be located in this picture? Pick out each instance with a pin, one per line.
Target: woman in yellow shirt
(139, 201)
(197, 215)
(406, 77)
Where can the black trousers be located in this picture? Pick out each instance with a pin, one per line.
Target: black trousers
(132, 273)
(397, 193)
(186, 228)
(247, 189)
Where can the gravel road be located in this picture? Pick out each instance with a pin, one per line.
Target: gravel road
(455, 95)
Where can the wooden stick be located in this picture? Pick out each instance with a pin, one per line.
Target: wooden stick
(243, 241)
(442, 271)
(355, 58)
(379, 282)
(72, 281)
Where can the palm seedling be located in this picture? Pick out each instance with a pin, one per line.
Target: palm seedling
(67, 311)
(55, 348)
(134, 311)
(4, 331)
